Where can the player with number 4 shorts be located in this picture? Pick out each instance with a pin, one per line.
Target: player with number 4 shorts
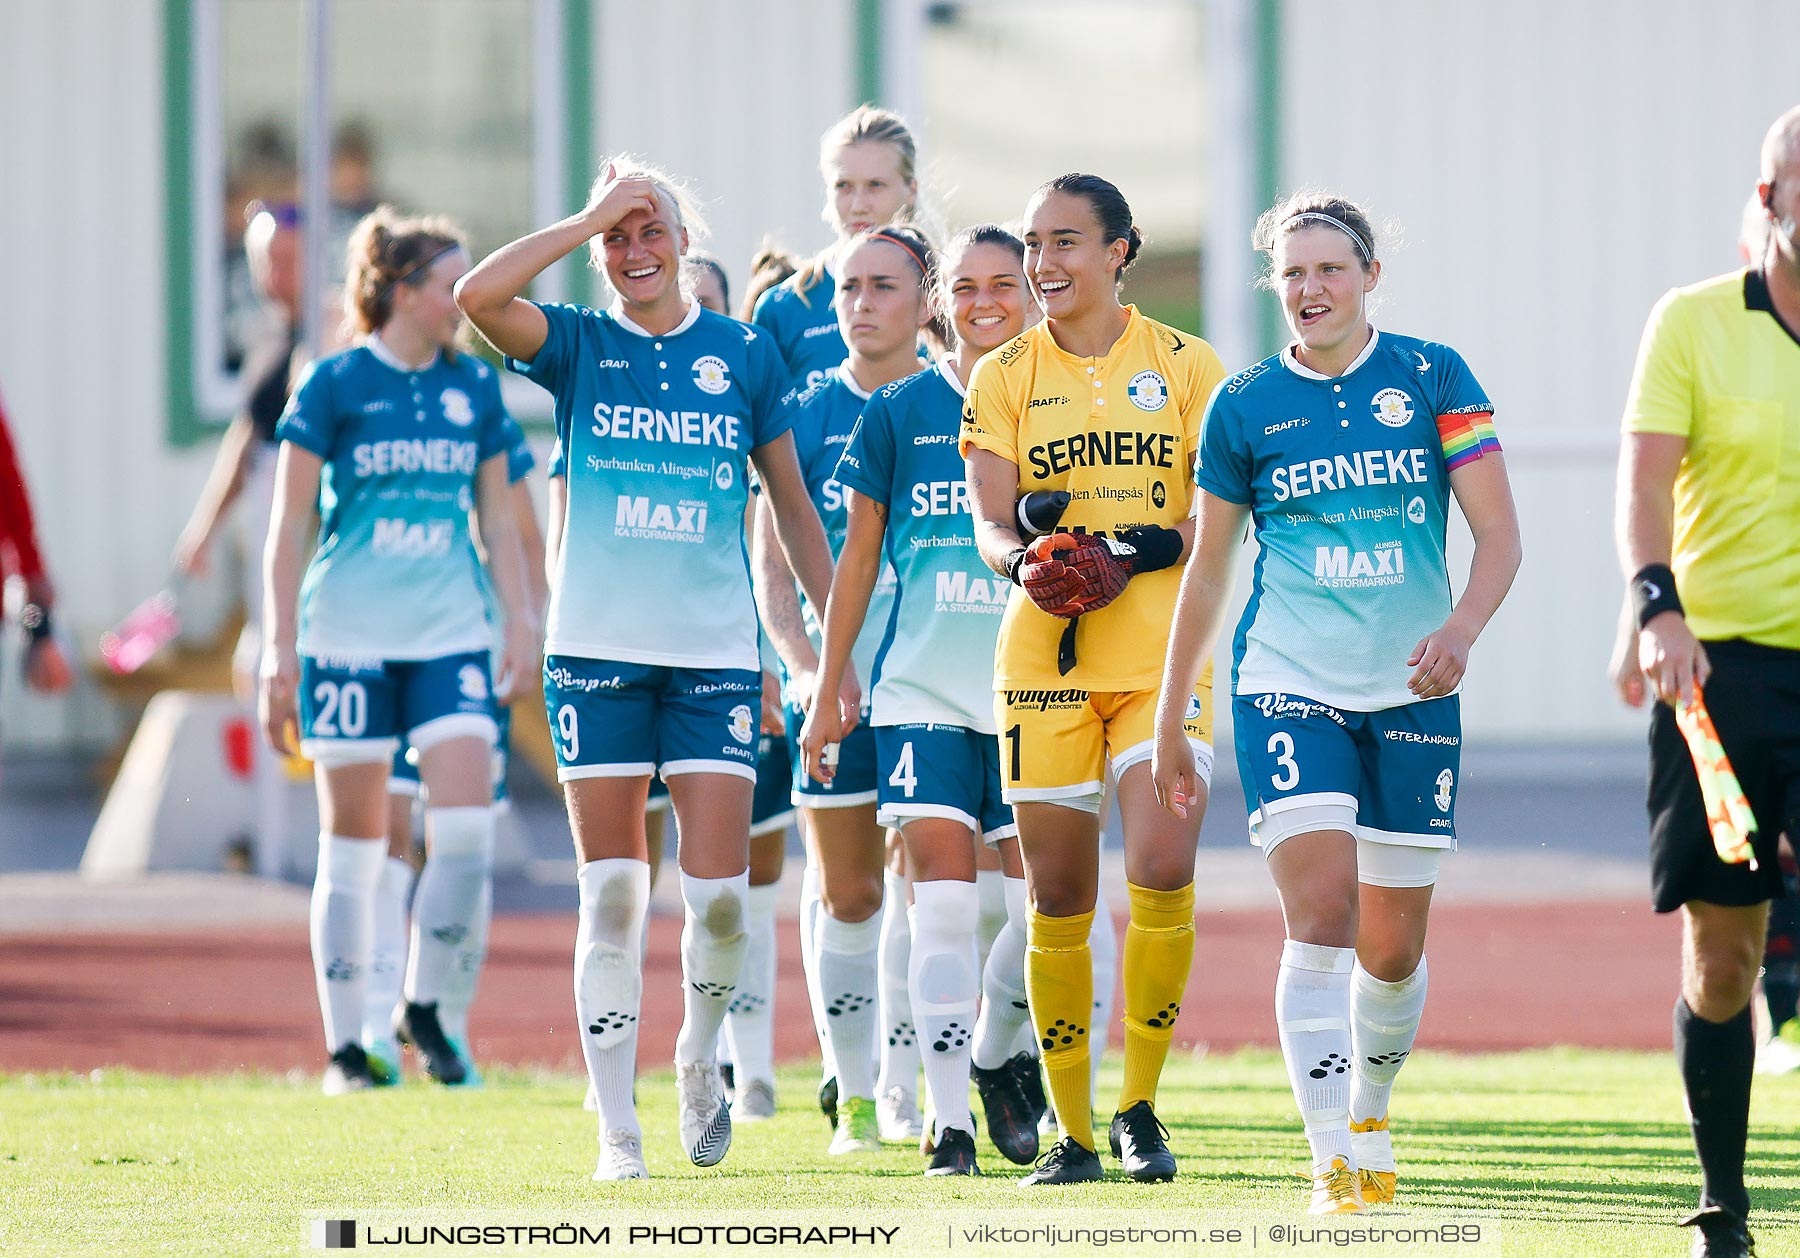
(938, 772)
(660, 407)
(396, 439)
(1103, 404)
(1344, 449)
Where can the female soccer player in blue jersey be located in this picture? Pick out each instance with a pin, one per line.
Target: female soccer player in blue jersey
(938, 772)
(651, 649)
(396, 439)
(881, 308)
(868, 160)
(1344, 448)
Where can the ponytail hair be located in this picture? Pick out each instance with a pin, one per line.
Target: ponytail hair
(1110, 208)
(386, 250)
(769, 266)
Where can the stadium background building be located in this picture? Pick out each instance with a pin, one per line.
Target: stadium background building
(1549, 189)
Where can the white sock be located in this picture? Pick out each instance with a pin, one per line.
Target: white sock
(990, 889)
(1003, 1006)
(1103, 945)
(454, 898)
(811, 910)
(1312, 1014)
(343, 931)
(899, 1043)
(387, 959)
(847, 956)
(945, 987)
(609, 980)
(750, 1022)
(713, 943)
(1384, 1018)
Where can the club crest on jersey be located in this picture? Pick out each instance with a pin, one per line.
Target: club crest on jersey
(1193, 708)
(1392, 407)
(711, 375)
(457, 407)
(742, 727)
(1445, 781)
(1148, 391)
(472, 680)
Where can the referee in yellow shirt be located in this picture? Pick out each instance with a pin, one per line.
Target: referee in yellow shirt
(1709, 534)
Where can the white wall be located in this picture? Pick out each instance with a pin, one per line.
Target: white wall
(81, 346)
(1555, 166)
(757, 84)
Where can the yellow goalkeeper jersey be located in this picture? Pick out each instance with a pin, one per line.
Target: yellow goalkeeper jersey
(1119, 434)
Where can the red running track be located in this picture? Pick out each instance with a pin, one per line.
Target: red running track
(204, 1001)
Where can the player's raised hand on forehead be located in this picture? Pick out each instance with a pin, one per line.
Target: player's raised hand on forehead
(619, 198)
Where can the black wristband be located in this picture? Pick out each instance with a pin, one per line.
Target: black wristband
(1156, 546)
(36, 619)
(1653, 592)
(1014, 559)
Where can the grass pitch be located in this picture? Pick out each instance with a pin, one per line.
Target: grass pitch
(1553, 1153)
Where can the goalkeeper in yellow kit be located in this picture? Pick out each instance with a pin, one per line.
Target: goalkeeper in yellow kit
(1104, 405)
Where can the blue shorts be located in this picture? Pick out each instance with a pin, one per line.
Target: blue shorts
(1391, 774)
(774, 807)
(942, 771)
(612, 719)
(355, 711)
(854, 782)
(403, 775)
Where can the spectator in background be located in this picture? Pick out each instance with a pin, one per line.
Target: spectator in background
(243, 471)
(46, 668)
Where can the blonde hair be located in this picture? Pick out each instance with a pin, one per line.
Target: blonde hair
(385, 250)
(866, 124)
(676, 192)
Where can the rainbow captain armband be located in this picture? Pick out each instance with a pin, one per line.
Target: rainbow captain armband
(1728, 813)
(1465, 435)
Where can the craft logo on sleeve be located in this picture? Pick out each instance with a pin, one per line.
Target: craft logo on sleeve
(711, 375)
(1392, 407)
(457, 407)
(1148, 391)
(334, 1234)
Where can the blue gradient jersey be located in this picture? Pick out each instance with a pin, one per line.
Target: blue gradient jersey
(804, 327)
(653, 437)
(936, 663)
(823, 418)
(1347, 479)
(395, 576)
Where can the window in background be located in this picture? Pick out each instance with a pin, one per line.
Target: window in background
(453, 107)
(996, 125)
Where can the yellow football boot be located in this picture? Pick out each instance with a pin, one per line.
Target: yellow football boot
(1374, 1151)
(1336, 1190)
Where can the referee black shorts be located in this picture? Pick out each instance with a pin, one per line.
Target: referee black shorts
(1754, 698)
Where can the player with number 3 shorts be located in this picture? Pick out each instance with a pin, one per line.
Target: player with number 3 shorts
(1344, 449)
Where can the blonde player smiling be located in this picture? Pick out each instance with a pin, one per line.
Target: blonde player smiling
(1102, 403)
(1344, 448)
(660, 406)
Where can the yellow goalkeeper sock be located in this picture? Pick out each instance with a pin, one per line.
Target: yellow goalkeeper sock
(1159, 949)
(1059, 982)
